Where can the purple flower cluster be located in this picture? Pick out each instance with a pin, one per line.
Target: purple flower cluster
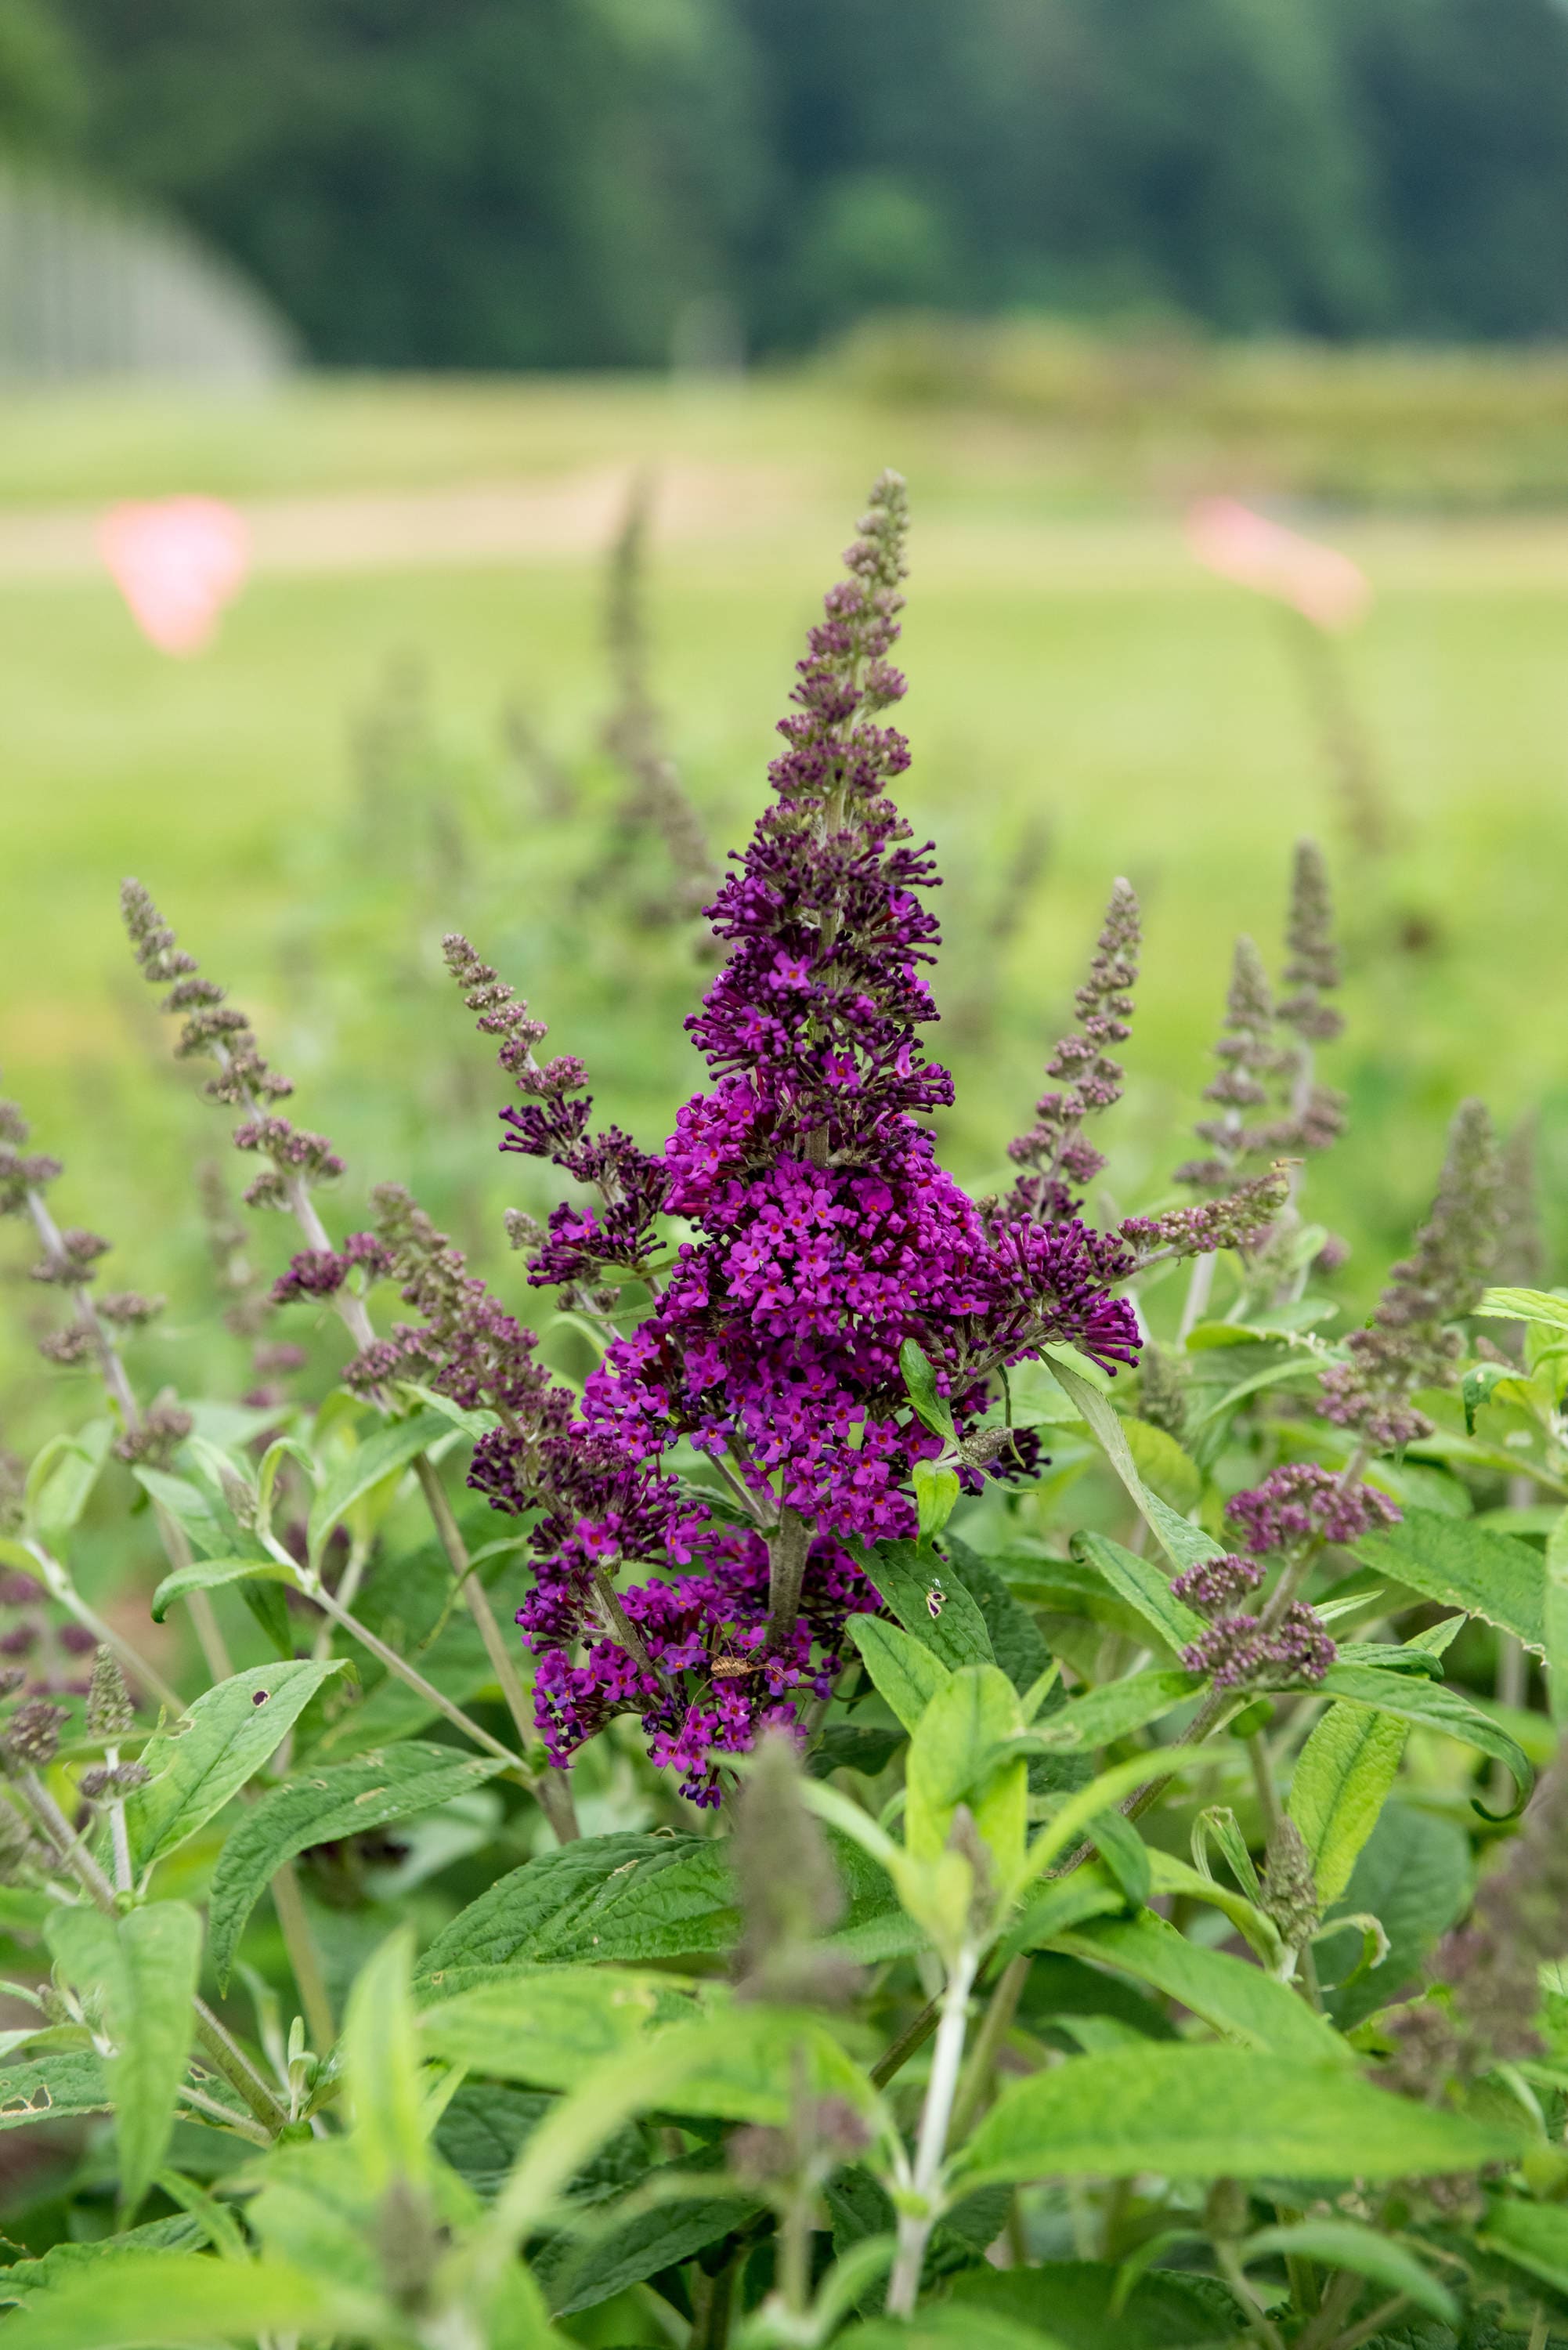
(820, 1234)
(1242, 1651)
(1303, 1503)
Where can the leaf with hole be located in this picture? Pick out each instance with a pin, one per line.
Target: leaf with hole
(203, 1762)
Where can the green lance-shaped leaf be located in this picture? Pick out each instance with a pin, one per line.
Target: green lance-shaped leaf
(1341, 1783)
(1240, 2001)
(142, 1970)
(1533, 2235)
(1555, 1621)
(548, 2027)
(53, 2087)
(216, 1575)
(381, 2062)
(211, 1533)
(1492, 1576)
(903, 1670)
(167, 2301)
(344, 1799)
(935, 1498)
(1430, 1706)
(1346, 2244)
(228, 1733)
(920, 1380)
(951, 1762)
(1213, 2112)
(907, 1577)
(622, 1898)
(1525, 1306)
(940, 2327)
(1183, 1542)
(1103, 1715)
(1146, 1587)
(383, 1454)
(61, 1484)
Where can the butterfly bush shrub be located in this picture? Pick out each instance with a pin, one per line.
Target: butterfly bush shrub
(830, 1758)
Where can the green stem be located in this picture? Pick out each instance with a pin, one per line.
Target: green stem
(303, 1957)
(554, 1790)
(995, 2026)
(229, 2058)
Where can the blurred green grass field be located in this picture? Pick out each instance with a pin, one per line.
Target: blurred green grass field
(1074, 678)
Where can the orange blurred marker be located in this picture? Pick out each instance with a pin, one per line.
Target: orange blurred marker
(1323, 585)
(177, 563)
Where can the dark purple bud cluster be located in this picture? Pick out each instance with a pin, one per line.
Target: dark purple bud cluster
(208, 1030)
(1053, 1150)
(21, 1171)
(1243, 1652)
(1214, 1582)
(555, 1124)
(1237, 1219)
(1408, 1344)
(321, 1272)
(153, 1444)
(1302, 1504)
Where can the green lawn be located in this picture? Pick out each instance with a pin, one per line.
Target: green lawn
(1071, 672)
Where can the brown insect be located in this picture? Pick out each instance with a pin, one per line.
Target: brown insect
(732, 1667)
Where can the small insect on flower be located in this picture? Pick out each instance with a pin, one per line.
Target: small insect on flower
(734, 1668)
(935, 1598)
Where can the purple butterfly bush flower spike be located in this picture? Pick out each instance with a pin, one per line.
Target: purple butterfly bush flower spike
(818, 1234)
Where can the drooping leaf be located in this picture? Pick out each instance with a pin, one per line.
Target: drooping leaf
(144, 1969)
(1162, 1464)
(1183, 1542)
(1146, 1587)
(1493, 1576)
(1431, 1707)
(383, 1454)
(214, 1575)
(1340, 1785)
(547, 2026)
(627, 1898)
(1414, 1876)
(1124, 1854)
(935, 1498)
(1555, 1621)
(1346, 2244)
(1216, 2112)
(227, 1735)
(904, 1670)
(1087, 1893)
(340, 1800)
(1016, 1640)
(1240, 2001)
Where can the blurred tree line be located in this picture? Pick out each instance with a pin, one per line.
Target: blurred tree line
(473, 183)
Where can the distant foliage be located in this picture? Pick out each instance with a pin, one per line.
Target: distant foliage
(913, 1768)
(541, 182)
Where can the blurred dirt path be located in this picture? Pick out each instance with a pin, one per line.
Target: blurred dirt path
(484, 523)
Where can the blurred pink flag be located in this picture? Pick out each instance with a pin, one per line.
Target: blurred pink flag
(177, 563)
(1323, 584)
